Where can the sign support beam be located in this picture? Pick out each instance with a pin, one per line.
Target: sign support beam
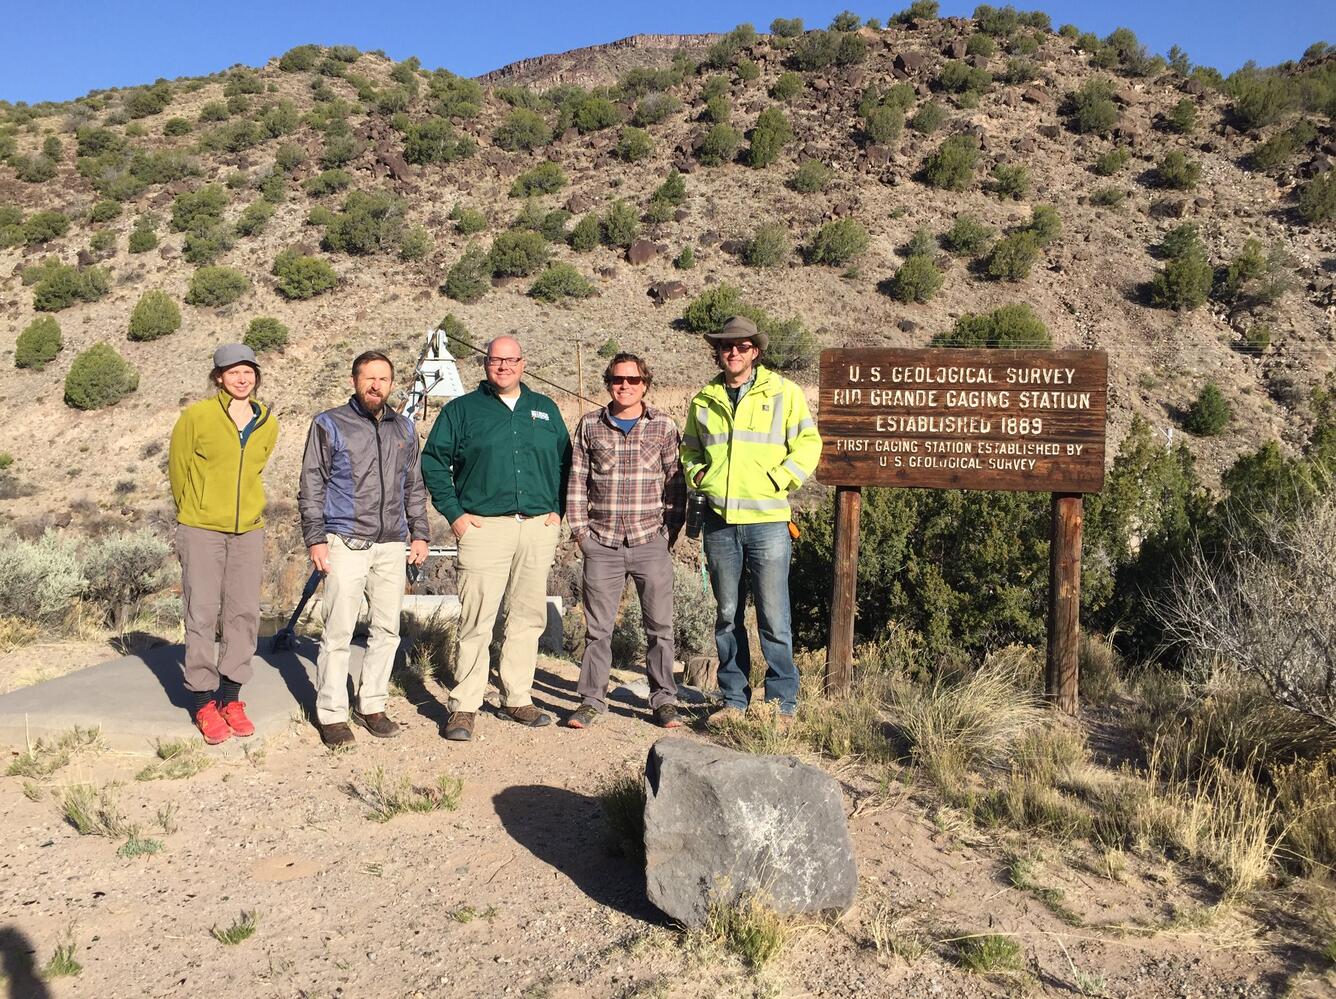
(1062, 681)
(843, 602)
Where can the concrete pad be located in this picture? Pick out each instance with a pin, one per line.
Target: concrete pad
(142, 698)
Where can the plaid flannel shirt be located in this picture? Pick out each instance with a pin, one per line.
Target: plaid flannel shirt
(626, 488)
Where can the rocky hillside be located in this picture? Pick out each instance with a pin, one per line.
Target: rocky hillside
(235, 169)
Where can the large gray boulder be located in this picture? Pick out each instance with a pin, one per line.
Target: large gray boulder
(721, 824)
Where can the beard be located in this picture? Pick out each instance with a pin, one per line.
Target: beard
(372, 404)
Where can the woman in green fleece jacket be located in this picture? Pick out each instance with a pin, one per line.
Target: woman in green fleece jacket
(219, 448)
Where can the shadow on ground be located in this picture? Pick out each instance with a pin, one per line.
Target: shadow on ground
(167, 664)
(565, 830)
(21, 980)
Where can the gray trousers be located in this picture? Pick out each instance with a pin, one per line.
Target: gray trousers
(606, 570)
(220, 580)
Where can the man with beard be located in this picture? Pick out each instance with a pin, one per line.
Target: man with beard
(496, 463)
(361, 498)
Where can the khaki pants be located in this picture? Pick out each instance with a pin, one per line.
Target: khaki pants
(220, 580)
(503, 560)
(380, 574)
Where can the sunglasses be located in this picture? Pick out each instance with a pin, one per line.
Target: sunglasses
(736, 348)
(625, 380)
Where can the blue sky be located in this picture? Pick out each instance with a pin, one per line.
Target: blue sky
(59, 50)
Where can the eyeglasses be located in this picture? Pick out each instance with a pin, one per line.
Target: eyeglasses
(625, 379)
(736, 348)
(497, 362)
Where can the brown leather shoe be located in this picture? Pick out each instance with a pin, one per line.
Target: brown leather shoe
(459, 726)
(336, 735)
(724, 716)
(527, 714)
(378, 724)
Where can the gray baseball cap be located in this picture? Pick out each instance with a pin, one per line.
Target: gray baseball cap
(230, 354)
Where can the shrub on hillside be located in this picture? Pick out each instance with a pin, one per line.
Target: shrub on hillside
(593, 114)
(916, 280)
(1010, 326)
(545, 178)
(254, 218)
(435, 141)
(102, 244)
(265, 333)
(143, 237)
(466, 280)
(63, 285)
(558, 282)
(673, 190)
(38, 344)
(837, 243)
(207, 245)
(302, 277)
(196, 211)
(1109, 163)
(1209, 413)
(981, 45)
(585, 236)
(883, 124)
(620, 225)
(788, 85)
(1260, 99)
(685, 260)
(768, 246)
(929, 118)
(1045, 224)
(1317, 199)
(104, 211)
(154, 316)
(919, 10)
(1091, 109)
(99, 377)
(654, 108)
(720, 145)
(786, 27)
(951, 167)
(771, 134)
(634, 144)
(522, 129)
(299, 59)
(1183, 118)
(327, 182)
(371, 222)
(1176, 171)
(1013, 256)
(1010, 181)
(1184, 283)
(469, 221)
(518, 253)
(44, 226)
(960, 77)
(810, 177)
(415, 245)
(43, 580)
(967, 236)
(215, 286)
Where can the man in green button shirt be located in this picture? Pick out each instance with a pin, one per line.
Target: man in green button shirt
(496, 465)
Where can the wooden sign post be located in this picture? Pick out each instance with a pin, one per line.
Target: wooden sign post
(1029, 420)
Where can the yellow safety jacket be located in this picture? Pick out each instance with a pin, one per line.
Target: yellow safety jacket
(214, 472)
(754, 457)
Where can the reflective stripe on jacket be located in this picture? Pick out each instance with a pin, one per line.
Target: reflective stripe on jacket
(215, 479)
(754, 457)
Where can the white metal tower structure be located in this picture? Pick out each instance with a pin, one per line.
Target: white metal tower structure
(436, 376)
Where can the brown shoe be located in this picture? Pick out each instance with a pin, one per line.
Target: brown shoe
(459, 726)
(724, 716)
(527, 714)
(666, 716)
(336, 735)
(378, 724)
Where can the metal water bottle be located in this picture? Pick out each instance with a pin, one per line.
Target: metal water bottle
(696, 504)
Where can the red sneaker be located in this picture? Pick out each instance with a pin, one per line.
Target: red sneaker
(211, 725)
(234, 713)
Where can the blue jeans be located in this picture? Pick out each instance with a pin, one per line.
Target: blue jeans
(742, 559)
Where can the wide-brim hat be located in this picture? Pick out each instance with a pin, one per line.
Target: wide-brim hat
(740, 328)
(232, 354)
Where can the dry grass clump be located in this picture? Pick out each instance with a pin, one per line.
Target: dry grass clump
(954, 727)
(46, 756)
(1100, 669)
(989, 953)
(623, 798)
(1305, 793)
(431, 656)
(177, 759)
(94, 812)
(15, 633)
(385, 797)
(746, 927)
(242, 928)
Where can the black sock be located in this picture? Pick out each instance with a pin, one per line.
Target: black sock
(202, 697)
(228, 691)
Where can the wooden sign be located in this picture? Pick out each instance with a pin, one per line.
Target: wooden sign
(947, 418)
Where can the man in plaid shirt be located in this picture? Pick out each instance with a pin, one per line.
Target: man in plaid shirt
(625, 503)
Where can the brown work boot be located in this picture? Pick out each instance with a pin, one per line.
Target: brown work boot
(336, 735)
(784, 723)
(527, 714)
(377, 723)
(727, 715)
(459, 726)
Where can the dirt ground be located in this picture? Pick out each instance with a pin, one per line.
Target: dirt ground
(516, 893)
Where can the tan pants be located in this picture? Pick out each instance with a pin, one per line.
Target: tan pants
(220, 583)
(379, 573)
(503, 560)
